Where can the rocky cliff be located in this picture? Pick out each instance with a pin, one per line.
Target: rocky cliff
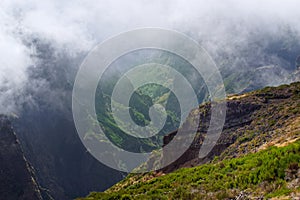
(252, 120)
(17, 180)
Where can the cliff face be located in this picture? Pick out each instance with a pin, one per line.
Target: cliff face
(252, 120)
(16, 177)
(46, 131)
(62, 164)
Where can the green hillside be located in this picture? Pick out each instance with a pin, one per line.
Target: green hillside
(256, 157)
(269, 173)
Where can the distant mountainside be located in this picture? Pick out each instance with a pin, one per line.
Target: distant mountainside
(257, 155)
(17, 180)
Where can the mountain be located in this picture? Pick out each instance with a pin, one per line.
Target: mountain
(256, 157)
(45, 126)
(17, 179)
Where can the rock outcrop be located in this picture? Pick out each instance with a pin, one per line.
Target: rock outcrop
(252, 120)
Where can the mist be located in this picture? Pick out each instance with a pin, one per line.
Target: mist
(42, 44)
(243, 32)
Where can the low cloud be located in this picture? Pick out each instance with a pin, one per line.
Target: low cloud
(239, 30)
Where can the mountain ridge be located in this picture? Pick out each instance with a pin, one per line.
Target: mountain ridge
(256, 122)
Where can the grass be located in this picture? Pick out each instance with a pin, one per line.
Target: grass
(261, 173)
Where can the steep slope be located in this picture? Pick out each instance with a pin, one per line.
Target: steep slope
(17, 180)
(47, 133)
(252, 120)
(243, 162)
(62, 164)
(270, 173)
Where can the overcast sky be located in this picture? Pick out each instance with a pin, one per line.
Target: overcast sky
(78, 25)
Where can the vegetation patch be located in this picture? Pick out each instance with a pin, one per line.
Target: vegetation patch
(264, 173)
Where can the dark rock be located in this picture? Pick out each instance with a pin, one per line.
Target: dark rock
(17, 180)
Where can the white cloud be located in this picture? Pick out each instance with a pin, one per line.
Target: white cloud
(77, 25)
